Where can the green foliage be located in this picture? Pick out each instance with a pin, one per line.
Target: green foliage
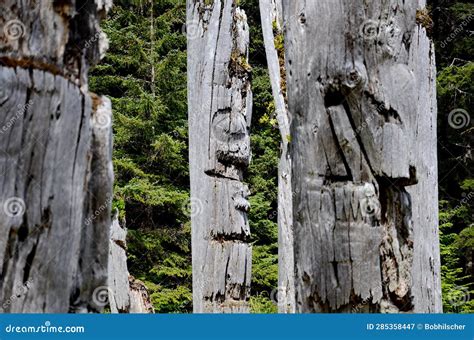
(150, 143)
(265, 268)
(261, 304)
(151, 151)
(454, 20)
(263, 173)
(457, 252)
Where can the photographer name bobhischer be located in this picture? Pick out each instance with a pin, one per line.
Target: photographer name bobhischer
(443, 327)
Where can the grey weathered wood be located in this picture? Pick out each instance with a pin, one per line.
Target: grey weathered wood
(125, 293)
(220, 108)
(426, 274)
(140, 302)
(272, 21)
(361, 92)
(118, 283)
(55, 160)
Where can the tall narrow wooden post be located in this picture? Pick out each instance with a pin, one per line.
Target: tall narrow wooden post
(220, 110)
(272, 28)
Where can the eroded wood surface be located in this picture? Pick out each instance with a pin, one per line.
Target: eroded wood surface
(220, 110)
(363, 149)
(55, 158)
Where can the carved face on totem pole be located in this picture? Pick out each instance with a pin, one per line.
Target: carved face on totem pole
(353, 99)
(383, 104)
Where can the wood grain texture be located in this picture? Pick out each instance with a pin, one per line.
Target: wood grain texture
(55, 159)
(272, 28)
(119, 290)
(125, 293)
(220, 112)
(61, 37)
(140, 302)
(363, 150)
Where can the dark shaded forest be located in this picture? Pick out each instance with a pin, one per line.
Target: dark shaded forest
(144, 74)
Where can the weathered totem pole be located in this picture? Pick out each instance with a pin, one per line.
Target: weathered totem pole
(55, 158)
(220, 110)
(361, 93)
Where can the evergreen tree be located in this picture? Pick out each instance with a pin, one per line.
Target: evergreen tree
(452, 30)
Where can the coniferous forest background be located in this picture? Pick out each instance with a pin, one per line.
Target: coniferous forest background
(144, 74)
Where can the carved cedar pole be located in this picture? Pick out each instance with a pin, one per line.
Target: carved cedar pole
(55, 158)
(361, 92)
(220, 108)
(272, 27)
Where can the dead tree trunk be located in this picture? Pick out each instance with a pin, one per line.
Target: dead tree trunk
(55, 158)
(272, 27)
(361, 92)
(220, 108)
